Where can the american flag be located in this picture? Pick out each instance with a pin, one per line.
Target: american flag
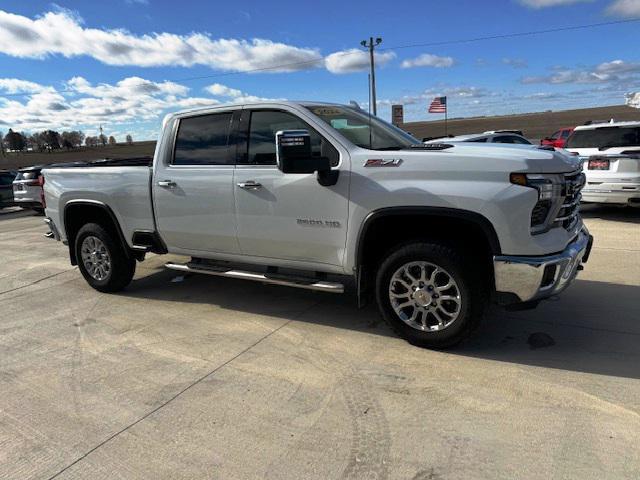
(438, 105)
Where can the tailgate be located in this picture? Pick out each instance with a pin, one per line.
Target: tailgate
(613, 168)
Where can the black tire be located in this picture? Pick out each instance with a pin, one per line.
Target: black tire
(38, 210)
(467, 274)
(122, 266)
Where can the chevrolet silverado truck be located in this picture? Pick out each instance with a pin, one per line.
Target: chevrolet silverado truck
(319, 196)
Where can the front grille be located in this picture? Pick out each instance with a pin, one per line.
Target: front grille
(568, 214)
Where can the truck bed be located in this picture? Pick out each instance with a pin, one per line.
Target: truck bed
(120, 185)
(107, 162)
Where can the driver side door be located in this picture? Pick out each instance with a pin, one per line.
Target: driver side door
(288, 216)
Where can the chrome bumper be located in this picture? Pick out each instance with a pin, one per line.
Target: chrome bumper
(535, 278)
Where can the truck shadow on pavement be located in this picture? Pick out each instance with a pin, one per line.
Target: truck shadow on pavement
(594, 327)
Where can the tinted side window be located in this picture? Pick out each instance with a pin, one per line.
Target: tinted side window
(605, 137)
(262, 137)
(478, 140)
(6, 179)
(511, 139)
(204, 140)
(565, 133)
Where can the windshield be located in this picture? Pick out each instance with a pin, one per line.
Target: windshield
(605, 137)
(363, 130)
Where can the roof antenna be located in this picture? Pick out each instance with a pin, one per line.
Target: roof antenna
(370, 139)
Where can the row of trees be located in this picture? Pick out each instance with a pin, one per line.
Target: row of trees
(49, 140)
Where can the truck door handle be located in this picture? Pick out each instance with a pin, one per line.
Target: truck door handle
(167, 184)
(250, 185)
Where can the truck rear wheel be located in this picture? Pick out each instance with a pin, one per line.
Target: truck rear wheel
(428, 295)
(102, 259)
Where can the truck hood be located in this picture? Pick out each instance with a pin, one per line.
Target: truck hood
(511, 158)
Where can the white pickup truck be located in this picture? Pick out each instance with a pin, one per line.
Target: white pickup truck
(320, 196)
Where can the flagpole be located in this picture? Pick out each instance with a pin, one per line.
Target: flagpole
(446, 110)
(445, 123)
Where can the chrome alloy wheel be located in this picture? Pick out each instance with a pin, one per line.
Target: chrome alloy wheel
(425, 296)
(95, 258)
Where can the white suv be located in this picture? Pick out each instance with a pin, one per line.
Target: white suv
(611, 155)
(493, 136)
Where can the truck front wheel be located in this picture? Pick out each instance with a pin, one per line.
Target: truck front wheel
(429, 295)
(102, 259)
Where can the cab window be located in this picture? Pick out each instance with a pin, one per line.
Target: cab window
(204, 140)
(263, 126)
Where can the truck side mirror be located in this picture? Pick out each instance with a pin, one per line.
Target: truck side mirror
(293, 153)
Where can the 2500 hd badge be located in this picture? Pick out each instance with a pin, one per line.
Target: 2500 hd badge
(310, 222)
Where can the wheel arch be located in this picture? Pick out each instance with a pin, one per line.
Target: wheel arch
(77, 213)
(380, 225)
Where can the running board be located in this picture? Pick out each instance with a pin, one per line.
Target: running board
(297, 282)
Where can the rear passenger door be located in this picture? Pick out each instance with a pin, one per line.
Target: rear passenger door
(193, 186)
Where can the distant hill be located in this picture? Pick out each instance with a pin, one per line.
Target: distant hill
(534, 125)
(120, 150)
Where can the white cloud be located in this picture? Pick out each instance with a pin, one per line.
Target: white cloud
(83, 105)
(14, 85)
(625, 8)
(633, 99)
(428, 60)
(62, 33)
(234, 95)
(616, 71)
(220, 90)
(537, 4)
(515, 62)
(354, 60)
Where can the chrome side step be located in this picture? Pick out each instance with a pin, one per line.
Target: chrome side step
(297, 282)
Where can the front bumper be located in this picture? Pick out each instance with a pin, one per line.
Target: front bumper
(535, 278)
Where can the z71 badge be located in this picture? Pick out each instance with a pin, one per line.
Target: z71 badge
(383, 162)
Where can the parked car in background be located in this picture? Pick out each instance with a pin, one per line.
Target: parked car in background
(611, 155)
(27, 190)
(497, 136)
(558, 139)
(6, 188)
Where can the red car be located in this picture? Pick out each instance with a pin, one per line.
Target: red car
(558, 139)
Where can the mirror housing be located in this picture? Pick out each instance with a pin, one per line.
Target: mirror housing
(293, 153)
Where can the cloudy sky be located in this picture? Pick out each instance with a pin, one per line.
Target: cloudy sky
(123, 64)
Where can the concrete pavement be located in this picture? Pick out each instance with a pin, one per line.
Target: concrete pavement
(204, 377)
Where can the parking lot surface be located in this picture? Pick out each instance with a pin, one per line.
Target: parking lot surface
(204, 377)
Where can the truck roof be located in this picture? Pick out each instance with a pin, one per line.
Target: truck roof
(593, 126)
(291, 103)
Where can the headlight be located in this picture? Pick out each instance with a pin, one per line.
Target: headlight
(550, 193)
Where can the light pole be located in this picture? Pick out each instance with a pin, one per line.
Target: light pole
(371, 46)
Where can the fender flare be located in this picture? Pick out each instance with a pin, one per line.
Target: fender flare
(473, 217)
(98, 204)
